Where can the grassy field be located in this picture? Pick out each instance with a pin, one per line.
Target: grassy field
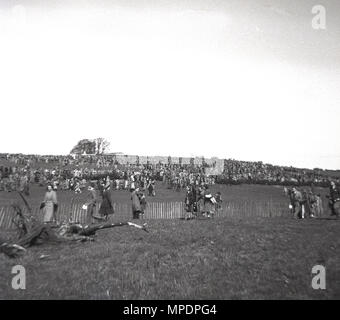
(257, 258)
(253, 200)
(235, 193)
(222, 258)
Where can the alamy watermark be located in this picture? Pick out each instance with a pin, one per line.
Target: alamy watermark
(319, 278)
(19, 280)
(319, 18)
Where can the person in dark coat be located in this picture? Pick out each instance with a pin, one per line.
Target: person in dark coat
(142, 201)
(208, 202)
(106, 206)
(334, 199)
(218, 197)
(297, 203)
(91, 204)
(136, 207)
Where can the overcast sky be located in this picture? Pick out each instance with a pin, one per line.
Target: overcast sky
(249, 80)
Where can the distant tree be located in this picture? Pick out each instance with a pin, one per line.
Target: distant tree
(84, 146)
(101, 145)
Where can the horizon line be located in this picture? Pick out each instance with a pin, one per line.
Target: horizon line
(187, 157)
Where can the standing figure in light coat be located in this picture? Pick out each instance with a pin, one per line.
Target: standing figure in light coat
(49, 205)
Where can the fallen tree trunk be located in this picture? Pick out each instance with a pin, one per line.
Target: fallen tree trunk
(43, 233)
(38, 234)
(31, 232)
(91, 230)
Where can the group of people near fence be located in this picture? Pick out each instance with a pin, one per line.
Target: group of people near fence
(78, 174)
(106, 207)
(304, 203)
(200, 201)
(308, 204)
(138, 201)
(97, 194)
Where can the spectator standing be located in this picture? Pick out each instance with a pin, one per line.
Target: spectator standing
(136, 206)
(49, 205)
(106, 207)
(91, 204)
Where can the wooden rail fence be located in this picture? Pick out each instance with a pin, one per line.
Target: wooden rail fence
(155, 210)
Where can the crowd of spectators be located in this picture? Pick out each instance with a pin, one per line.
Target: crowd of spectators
(71, 172)
(236, 172)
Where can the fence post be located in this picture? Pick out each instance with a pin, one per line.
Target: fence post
(2, 216)
(151, 210)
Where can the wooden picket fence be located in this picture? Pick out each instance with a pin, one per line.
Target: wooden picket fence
(155, 210)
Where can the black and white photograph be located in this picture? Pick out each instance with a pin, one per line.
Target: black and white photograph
(157, 150)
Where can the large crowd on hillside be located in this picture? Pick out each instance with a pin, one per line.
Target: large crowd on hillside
(261, 173)
(69, 172)
(104, 173)
(122, 177)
